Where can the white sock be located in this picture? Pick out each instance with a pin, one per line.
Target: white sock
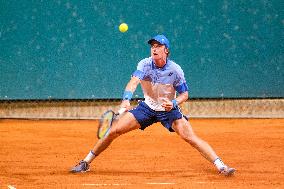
(219, 163)
(89, 158)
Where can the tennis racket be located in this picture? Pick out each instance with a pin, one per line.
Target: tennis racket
(106, 121)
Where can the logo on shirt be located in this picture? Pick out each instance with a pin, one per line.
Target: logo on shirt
(171, 73)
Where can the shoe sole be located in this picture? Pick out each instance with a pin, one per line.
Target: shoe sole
(230, 172)
(80, 171)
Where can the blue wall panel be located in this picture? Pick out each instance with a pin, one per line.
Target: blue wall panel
(73, 49)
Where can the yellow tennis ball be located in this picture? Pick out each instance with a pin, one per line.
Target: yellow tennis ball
(123, 27)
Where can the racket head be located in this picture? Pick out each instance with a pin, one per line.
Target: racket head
(105, 123)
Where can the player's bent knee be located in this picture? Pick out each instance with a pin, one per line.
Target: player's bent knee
(113, 134)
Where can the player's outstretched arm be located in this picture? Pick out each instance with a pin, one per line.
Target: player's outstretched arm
(128, 92)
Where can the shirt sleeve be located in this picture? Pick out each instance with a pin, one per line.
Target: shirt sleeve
(180, 84)
(140, 72)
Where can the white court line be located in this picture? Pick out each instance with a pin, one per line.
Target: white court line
(160, 183)
(102, 184)
(123, 184)
(11, 187)
(204, 182)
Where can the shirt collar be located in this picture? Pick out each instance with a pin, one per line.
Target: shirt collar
(162, 68)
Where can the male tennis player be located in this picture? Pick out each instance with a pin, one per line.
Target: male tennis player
(160, 79)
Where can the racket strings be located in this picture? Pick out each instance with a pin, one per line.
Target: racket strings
(105, 124)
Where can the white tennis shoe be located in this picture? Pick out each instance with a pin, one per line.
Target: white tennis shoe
(227, 171)
(81, 167)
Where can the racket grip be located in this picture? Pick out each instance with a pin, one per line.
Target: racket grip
(121, 110)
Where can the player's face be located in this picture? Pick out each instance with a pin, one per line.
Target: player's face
(158, 51)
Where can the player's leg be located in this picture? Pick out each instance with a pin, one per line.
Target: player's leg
(124, 124)
(183, 128)
(140, 117)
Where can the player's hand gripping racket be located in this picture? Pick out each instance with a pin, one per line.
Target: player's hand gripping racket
(106, 122)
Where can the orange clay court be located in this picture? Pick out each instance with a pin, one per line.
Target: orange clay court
(39, 154)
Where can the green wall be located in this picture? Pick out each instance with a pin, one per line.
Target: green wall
(73, 49)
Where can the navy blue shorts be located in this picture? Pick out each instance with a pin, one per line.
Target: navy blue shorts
(146, 116)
